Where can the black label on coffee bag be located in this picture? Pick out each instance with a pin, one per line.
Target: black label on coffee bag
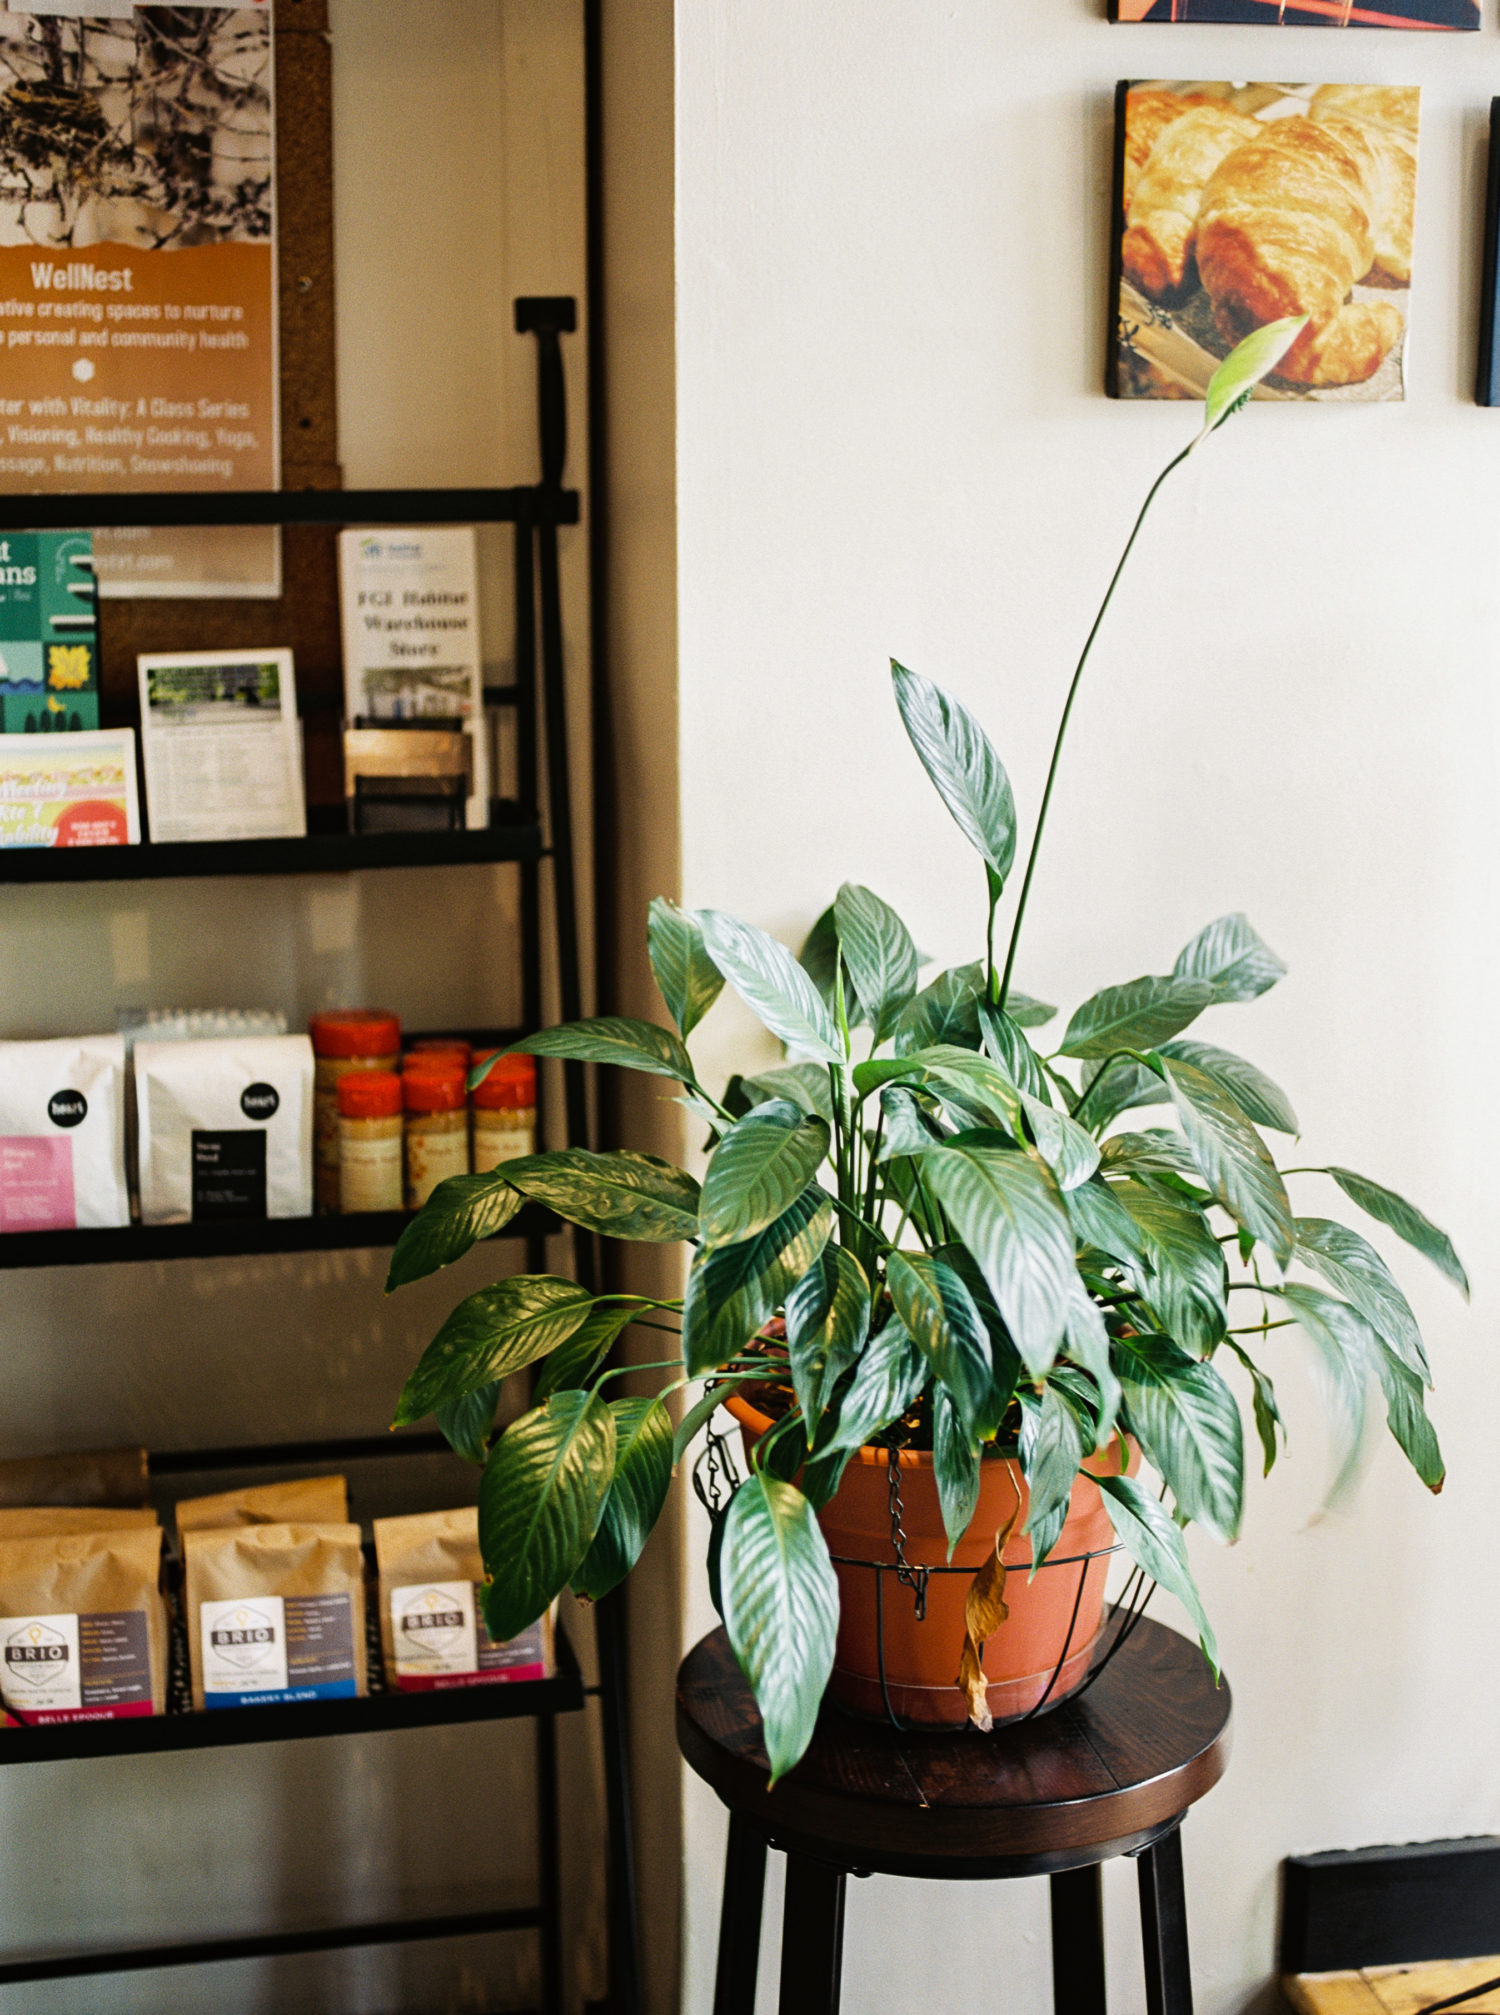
(229, 1174)
(259, 1101)
(67, 1108)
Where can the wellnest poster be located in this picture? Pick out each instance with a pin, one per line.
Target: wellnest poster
(137, 274)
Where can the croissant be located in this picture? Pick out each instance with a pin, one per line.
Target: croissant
(1149, 109)
(1160, 224)
(1391, 136)
(1286, 228)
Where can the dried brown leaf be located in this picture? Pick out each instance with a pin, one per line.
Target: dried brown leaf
(975, 1688)
(984, 1612)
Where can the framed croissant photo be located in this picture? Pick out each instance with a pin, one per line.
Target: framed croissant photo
(1463, 14)
(1238, 204)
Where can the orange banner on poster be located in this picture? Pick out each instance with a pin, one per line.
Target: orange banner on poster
(137, 370)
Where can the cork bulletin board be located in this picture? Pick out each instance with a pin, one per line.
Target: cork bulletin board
(306, 617)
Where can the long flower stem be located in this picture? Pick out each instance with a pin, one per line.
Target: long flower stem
(1062, 726)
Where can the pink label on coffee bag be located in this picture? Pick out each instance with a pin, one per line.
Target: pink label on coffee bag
(36, 1184)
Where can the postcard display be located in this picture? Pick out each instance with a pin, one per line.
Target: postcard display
(138, 275)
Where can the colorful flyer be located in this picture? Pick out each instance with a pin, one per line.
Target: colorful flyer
(222, 746)
(138, 276)
(49, 633)
(74, 790)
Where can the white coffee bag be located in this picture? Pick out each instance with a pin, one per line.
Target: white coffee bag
(225, 1128)
(62, 1134)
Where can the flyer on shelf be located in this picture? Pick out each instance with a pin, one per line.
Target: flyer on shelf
(138, 316)
(222, 746)
(74, 790)
(49, 633)
(410, 603)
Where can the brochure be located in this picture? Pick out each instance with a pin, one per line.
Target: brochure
(138, 275)
(411, 635)
(74, 790)
(222, 746)
(49, 633)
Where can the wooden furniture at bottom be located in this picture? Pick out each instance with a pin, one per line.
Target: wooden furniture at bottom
(1110, 1772)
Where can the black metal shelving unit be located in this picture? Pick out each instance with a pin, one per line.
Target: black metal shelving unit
(536, 827)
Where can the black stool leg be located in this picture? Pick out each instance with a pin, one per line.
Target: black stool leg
(812, 1938)
(1169, 1985)
(739, 1919)
(1078, 1942)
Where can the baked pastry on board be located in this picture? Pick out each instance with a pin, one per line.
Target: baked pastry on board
(1255, 202)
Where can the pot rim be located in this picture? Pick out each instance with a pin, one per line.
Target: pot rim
(755, 1422)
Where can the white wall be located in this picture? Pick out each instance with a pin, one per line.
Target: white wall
(891, 247)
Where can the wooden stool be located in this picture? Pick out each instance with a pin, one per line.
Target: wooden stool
(1109, 1773)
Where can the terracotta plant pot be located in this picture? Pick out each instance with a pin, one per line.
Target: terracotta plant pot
(1048, 1616)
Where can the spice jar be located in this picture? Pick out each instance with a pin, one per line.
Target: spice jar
(344, 1040)
(437, 1129)
(451, 1051)
(370, 1141)
(504, 1107)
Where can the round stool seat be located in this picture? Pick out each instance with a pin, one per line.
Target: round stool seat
(1101, 1775)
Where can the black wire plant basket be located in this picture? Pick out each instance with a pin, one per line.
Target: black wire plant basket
(716, 1477)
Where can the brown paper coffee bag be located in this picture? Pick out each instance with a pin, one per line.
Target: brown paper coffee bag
(431, 1629)
(83, 1631)
(86, 1476)
(41, 1521)
(312, 1500)
(275, 1613)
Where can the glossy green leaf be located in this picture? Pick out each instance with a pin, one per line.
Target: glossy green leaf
(706, 1406)
(827, 1321)
(1406, 1221)
(1027, 1012)
(1158, 1150)
(759, 1169)
(1010, 1216)
(879, 954)
(956, 754)
(769, 980)
(540, 1501)
(1235, 1161)
(634, 1045)
(734, 1290)
(910, 1121)
(1052, 1448)
(1005, 1042)
(955, 1467)
(1251, 359)
(890, 1374)
(781, 1607)
(1138, 1015)
(1347, 1349)
(490, 1335)
(465, 1423)
(820, 960)
(1182, 1273)
(945, 1011)
(1110, 1089)
(822, 1473)
(805, 1084)
(947, 1328)
(1406, 1417)
(1088, 1345)
(1261, 1101)
(1186, 1420)
(460, 1212)
(623, 1194)
(1268, 1421)
(1352, 1266)
(1099, 1219)
(1232, 958)
(574, 1363)
(1154, 1542)
(1070, 1152)
(688, 979)
(1004, 1356)
(642, 1478)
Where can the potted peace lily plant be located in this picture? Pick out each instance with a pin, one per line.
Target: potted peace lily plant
(961, 1294)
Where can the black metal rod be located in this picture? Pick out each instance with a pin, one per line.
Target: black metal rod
(267, 1945)
(624, 1944)
(549, 1866)
(812, 1938)
(1078, 1982)
(740, 1918)
(529, 504)
(290, 1454)
(1164, 1935)
(1487, 384)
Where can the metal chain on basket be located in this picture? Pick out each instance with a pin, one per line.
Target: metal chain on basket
(914, 1578)
(715, 1477)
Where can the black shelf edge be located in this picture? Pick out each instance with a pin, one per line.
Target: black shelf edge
(234, 1727)
(318, 854)
(247, 1238)
(85, 511)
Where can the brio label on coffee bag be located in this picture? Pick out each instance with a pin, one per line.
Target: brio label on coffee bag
(75, 1668)
(273, 1648)
(440, 1640)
